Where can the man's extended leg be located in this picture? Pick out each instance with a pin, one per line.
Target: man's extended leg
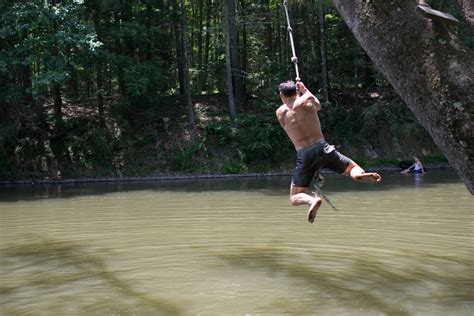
(358, 174)
(299, 197)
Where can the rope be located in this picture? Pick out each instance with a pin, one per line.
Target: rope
(318, 182)
(294, 59)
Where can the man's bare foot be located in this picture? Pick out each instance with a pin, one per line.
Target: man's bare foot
(313, 209)
(369, 177)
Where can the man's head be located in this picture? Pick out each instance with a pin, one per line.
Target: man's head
(288, 89)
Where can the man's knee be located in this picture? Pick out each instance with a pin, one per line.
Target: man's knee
(294, 200)
(295, 195)
(353, 170)
(356, 171)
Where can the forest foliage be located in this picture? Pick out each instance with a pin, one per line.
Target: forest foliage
(139, 87)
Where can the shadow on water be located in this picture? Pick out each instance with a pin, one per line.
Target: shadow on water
(353, 280)
(63, 274)
(275, 186)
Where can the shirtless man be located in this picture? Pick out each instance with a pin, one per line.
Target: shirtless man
(299, 118)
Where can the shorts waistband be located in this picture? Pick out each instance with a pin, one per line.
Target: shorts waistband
(319, 143)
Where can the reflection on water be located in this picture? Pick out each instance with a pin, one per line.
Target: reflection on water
(418, 179)
(236, 247)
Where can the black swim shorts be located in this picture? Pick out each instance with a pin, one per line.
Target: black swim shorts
(313, 158)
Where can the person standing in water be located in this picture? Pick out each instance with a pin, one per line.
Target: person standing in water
(416, 167)
(298, 116)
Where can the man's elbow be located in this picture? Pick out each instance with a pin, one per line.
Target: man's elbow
(317, 105)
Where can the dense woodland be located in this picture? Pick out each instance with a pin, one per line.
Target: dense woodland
(143, 87)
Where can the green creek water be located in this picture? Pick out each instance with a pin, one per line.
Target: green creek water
(237, 247)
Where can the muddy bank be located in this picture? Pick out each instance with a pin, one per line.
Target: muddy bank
(174, 177)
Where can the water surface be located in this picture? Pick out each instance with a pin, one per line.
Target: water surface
(236, 247)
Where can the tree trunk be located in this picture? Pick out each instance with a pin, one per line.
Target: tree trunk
(467, 9)
(279, 39)
(184, 85)
(100, 93)
(181, 58)
(72, 82)
(245, 57)
(369, 78)
(303, 37)
(99, 66)
(149, 24)
(267, 19)
(322, 46)
(120, 50)
(230, 90)
(58, 105)
(88, 81)
(57, 98)
(189, 102)
(57, 140)
(192, 19)
(233, 34)
(206, 45)
(200, 41)
(26, 83)
(25, 74)
(428, 67)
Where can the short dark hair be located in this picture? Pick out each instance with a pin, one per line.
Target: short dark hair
(288, 88)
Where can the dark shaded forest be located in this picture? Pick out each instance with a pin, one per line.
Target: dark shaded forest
(144, 87)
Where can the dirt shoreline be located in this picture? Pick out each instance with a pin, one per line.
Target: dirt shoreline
(176, 177)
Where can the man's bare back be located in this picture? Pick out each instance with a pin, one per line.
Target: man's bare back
(299, 118)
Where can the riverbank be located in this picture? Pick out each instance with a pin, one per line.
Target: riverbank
(153, 143)
(180, 176)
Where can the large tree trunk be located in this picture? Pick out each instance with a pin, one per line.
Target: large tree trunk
(428, 67)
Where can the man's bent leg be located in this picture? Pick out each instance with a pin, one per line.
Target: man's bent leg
(358, 174)
(299, 197)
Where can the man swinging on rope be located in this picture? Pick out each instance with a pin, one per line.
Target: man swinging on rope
(299, 118)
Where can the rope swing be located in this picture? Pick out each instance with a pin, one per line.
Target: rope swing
(318, 179)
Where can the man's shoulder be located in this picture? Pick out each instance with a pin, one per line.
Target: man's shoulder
(282, 108)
